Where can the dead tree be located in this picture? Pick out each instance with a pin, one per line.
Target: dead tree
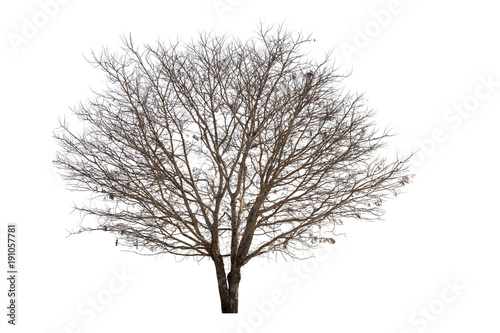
(226, 150)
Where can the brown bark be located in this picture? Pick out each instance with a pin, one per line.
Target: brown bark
(228, 287)
(234, 278)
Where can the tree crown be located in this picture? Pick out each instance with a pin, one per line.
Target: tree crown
(226, 148)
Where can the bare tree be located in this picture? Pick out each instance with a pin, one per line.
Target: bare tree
(226, 150)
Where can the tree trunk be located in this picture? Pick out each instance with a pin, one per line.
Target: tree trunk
(228, 288)
(234, 278)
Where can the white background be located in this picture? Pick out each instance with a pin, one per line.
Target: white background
(414, 65)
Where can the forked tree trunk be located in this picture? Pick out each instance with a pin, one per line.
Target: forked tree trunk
(228, 287)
